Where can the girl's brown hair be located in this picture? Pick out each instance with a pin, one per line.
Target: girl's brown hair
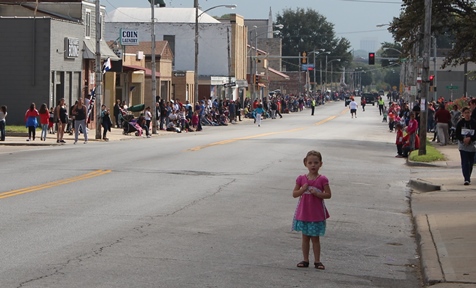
(312, 153)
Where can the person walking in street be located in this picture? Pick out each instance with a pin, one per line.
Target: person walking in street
(61, 117)
(44, 121)
(31, 121)
(313, 106)
(465, 133)
(3, 122)
(362, 103)
(79, 112)
(258, 112)
(443, 117)
(311, 213)
(353, 108)
(274, 108)
(106, 122)
(381, 103)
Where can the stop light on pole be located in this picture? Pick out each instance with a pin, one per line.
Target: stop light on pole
(371, 58)
(304, 57)
(432, 79)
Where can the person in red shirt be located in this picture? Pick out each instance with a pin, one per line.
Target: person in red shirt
(44, 121)
(443, 117)
(411, 130)
(31, 121)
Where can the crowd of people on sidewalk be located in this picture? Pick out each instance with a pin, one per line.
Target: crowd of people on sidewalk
(449, 126)
(172, 115)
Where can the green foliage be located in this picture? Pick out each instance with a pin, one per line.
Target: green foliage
(18, 129)
(432, 154)
(452, 22)
(307, 30)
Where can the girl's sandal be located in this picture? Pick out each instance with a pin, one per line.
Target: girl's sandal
(319, 265)
(303, 264)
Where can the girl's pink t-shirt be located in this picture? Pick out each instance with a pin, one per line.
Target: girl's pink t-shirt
(310, 207)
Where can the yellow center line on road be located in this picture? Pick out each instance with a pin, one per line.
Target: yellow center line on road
(17, 192)
(223, 142)
(241, 138)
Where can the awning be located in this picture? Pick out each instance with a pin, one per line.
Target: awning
(148, 72)
(89, 51)
(276, 72)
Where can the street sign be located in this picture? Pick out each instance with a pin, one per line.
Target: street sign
(179, 74)
(307, 66)
(451, 87)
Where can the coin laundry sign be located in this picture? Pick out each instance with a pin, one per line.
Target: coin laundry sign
(129, 37)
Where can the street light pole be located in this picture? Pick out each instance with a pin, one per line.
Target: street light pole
(197, 16)
(325, 88)
(195, 74)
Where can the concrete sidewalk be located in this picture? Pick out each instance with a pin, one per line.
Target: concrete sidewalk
(116, 134)
(444, 212)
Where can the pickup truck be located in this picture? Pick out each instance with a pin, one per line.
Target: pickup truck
(370, 98)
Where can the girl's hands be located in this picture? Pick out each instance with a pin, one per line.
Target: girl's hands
(304, 187)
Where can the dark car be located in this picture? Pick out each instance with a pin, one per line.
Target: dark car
(370, 98)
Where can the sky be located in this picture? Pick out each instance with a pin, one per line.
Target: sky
(354, 20)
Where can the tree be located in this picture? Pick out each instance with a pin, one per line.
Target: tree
(452, 22)
(307, 30)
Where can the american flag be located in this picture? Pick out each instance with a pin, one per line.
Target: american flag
(91, 102)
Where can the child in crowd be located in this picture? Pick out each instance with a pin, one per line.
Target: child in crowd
(399, 140)
(311, 213)
(195, 120)
(44, 121)
(384, 114)
(31, 121)
(391, 120)
(51, 123)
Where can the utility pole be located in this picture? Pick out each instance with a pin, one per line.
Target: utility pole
(153, 68)
(98, 89)
(425, 77)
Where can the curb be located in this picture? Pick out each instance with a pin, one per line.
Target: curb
(423, 186)
(430, 262)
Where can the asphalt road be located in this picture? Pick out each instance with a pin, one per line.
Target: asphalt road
(211, 209)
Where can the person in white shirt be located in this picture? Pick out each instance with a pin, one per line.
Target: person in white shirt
(353, 108)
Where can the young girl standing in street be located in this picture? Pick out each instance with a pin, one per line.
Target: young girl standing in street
(311, 212)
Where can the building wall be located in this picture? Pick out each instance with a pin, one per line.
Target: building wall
(70, 69)
(25, 76)
(274, 48)
(213, 53)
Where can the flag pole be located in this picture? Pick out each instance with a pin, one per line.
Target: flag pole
(98, 88)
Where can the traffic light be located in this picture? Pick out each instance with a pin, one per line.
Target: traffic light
(371, 58)
(304, 57)
(432, 78)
